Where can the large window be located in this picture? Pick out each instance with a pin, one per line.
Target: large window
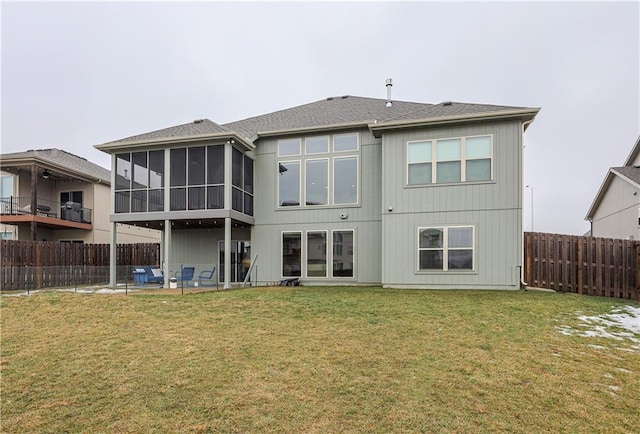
(446, 248)
(309, 254)
(463, 159)
(139, 182)
(318, 171)
(291, 254)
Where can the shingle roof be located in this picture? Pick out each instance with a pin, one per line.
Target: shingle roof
(353, 109)
(195, 128)
(329, 112)
(64, 159)
(631, 172)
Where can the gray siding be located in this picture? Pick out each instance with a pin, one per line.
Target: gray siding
(617, 215)
(364, 218)
(494, 208)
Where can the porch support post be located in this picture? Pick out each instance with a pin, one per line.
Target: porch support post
(112, 255)
(227, 252)
(166, 259)
(34, 201)
(228, 179)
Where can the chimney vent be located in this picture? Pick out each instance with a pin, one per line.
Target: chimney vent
(389, 84)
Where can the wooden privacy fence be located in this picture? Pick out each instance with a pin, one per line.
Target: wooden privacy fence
(42, 264)
(583, 265)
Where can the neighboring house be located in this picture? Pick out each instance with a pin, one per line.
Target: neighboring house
(346, 190)
(615, 211)
(53, 195)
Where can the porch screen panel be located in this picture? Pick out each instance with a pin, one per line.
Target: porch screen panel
(178, 172)
(156, 169)
(139, 201)
(140, 172)
(122, 201)
(215, 164)
(156, 200)
(123, 171)
(196, 165)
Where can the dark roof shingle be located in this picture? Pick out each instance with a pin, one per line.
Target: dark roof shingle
(58, 157)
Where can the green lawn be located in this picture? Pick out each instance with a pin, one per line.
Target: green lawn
(313, 360)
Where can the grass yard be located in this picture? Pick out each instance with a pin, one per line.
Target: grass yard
(305, 359)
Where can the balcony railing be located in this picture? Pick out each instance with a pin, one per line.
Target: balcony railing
(70, 211)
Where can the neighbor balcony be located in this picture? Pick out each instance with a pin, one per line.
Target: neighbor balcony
(17, 210)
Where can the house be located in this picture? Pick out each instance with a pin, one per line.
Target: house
(53, 195)
(345, 190)
(615, 211)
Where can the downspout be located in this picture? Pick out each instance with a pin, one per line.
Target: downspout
(523, 284)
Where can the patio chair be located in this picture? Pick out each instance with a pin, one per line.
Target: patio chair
(186, 275)
(207, 275)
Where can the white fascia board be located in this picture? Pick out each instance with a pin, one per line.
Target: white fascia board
(378, 128)
(633, 154)
(116, 146)
(603, 189)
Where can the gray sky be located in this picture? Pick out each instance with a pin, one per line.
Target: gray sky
(79, 74)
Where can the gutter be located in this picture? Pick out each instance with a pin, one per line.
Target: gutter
(113, 146)
(378, 128)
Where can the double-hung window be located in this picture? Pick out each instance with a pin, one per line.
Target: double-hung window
(460, 159)
(318, 171)
(446, 248)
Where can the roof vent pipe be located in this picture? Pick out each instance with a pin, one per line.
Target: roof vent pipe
(389, 85)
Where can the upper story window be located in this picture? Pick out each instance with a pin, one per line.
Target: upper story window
(139, 182)
(462, 159)
(6, 186)
(318, 171)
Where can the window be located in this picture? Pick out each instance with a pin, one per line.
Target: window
(317, 254)
(288, 147)
(291, 254)
(319, 171)
(6, 186)
(463, 159)
(317, 182)
(345, 142)
(289, 184)
(446, 248)
(316, 145)
(6, 235)
(310, 250)
(345, 180)
(71, 196)
(342, 253)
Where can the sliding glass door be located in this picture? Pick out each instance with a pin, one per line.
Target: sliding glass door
(240, 260)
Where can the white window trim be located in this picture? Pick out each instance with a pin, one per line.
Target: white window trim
(445, 249)
(333, 180)
(304, 182)
(329, 260)
(328, 149)
(333, 142)
(302, 254)
(355, 251)
(434, 161)
(299, 139)
(330, 156)
(300, 184)
(306, 253)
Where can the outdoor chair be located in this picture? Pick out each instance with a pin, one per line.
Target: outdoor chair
(207, 275)
(186, 275)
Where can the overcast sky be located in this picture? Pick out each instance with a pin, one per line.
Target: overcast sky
(79, 74)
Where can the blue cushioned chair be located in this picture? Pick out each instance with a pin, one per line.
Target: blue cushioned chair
(186, 275)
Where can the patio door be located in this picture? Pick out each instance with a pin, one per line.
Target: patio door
(240, 260)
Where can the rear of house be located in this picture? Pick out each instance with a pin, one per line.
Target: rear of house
(346, 190)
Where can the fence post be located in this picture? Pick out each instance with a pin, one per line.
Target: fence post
(580, 266)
